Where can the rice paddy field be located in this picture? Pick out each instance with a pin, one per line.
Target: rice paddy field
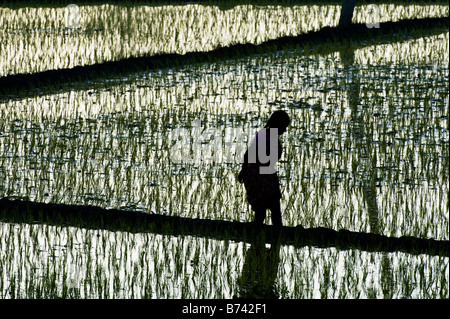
(367, 150)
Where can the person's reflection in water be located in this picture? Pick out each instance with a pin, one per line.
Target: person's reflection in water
(260, 269)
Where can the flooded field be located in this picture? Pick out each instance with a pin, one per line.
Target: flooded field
(66, 262)
(367, 150)
(38, 39)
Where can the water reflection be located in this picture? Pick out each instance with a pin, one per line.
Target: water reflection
(365, 162)
(260, 269)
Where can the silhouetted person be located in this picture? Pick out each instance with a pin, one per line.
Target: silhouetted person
(258, 169)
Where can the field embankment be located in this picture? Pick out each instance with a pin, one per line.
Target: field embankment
(91, 217)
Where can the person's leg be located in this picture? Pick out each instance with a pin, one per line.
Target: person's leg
(260, 215)
(275, 213)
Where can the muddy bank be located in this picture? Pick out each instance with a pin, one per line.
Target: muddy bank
(17, 211)
(324, 41)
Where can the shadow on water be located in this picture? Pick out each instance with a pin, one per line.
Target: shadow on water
(89, 217)
(366, 156)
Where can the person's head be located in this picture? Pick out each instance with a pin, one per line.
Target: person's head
(280, 120)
